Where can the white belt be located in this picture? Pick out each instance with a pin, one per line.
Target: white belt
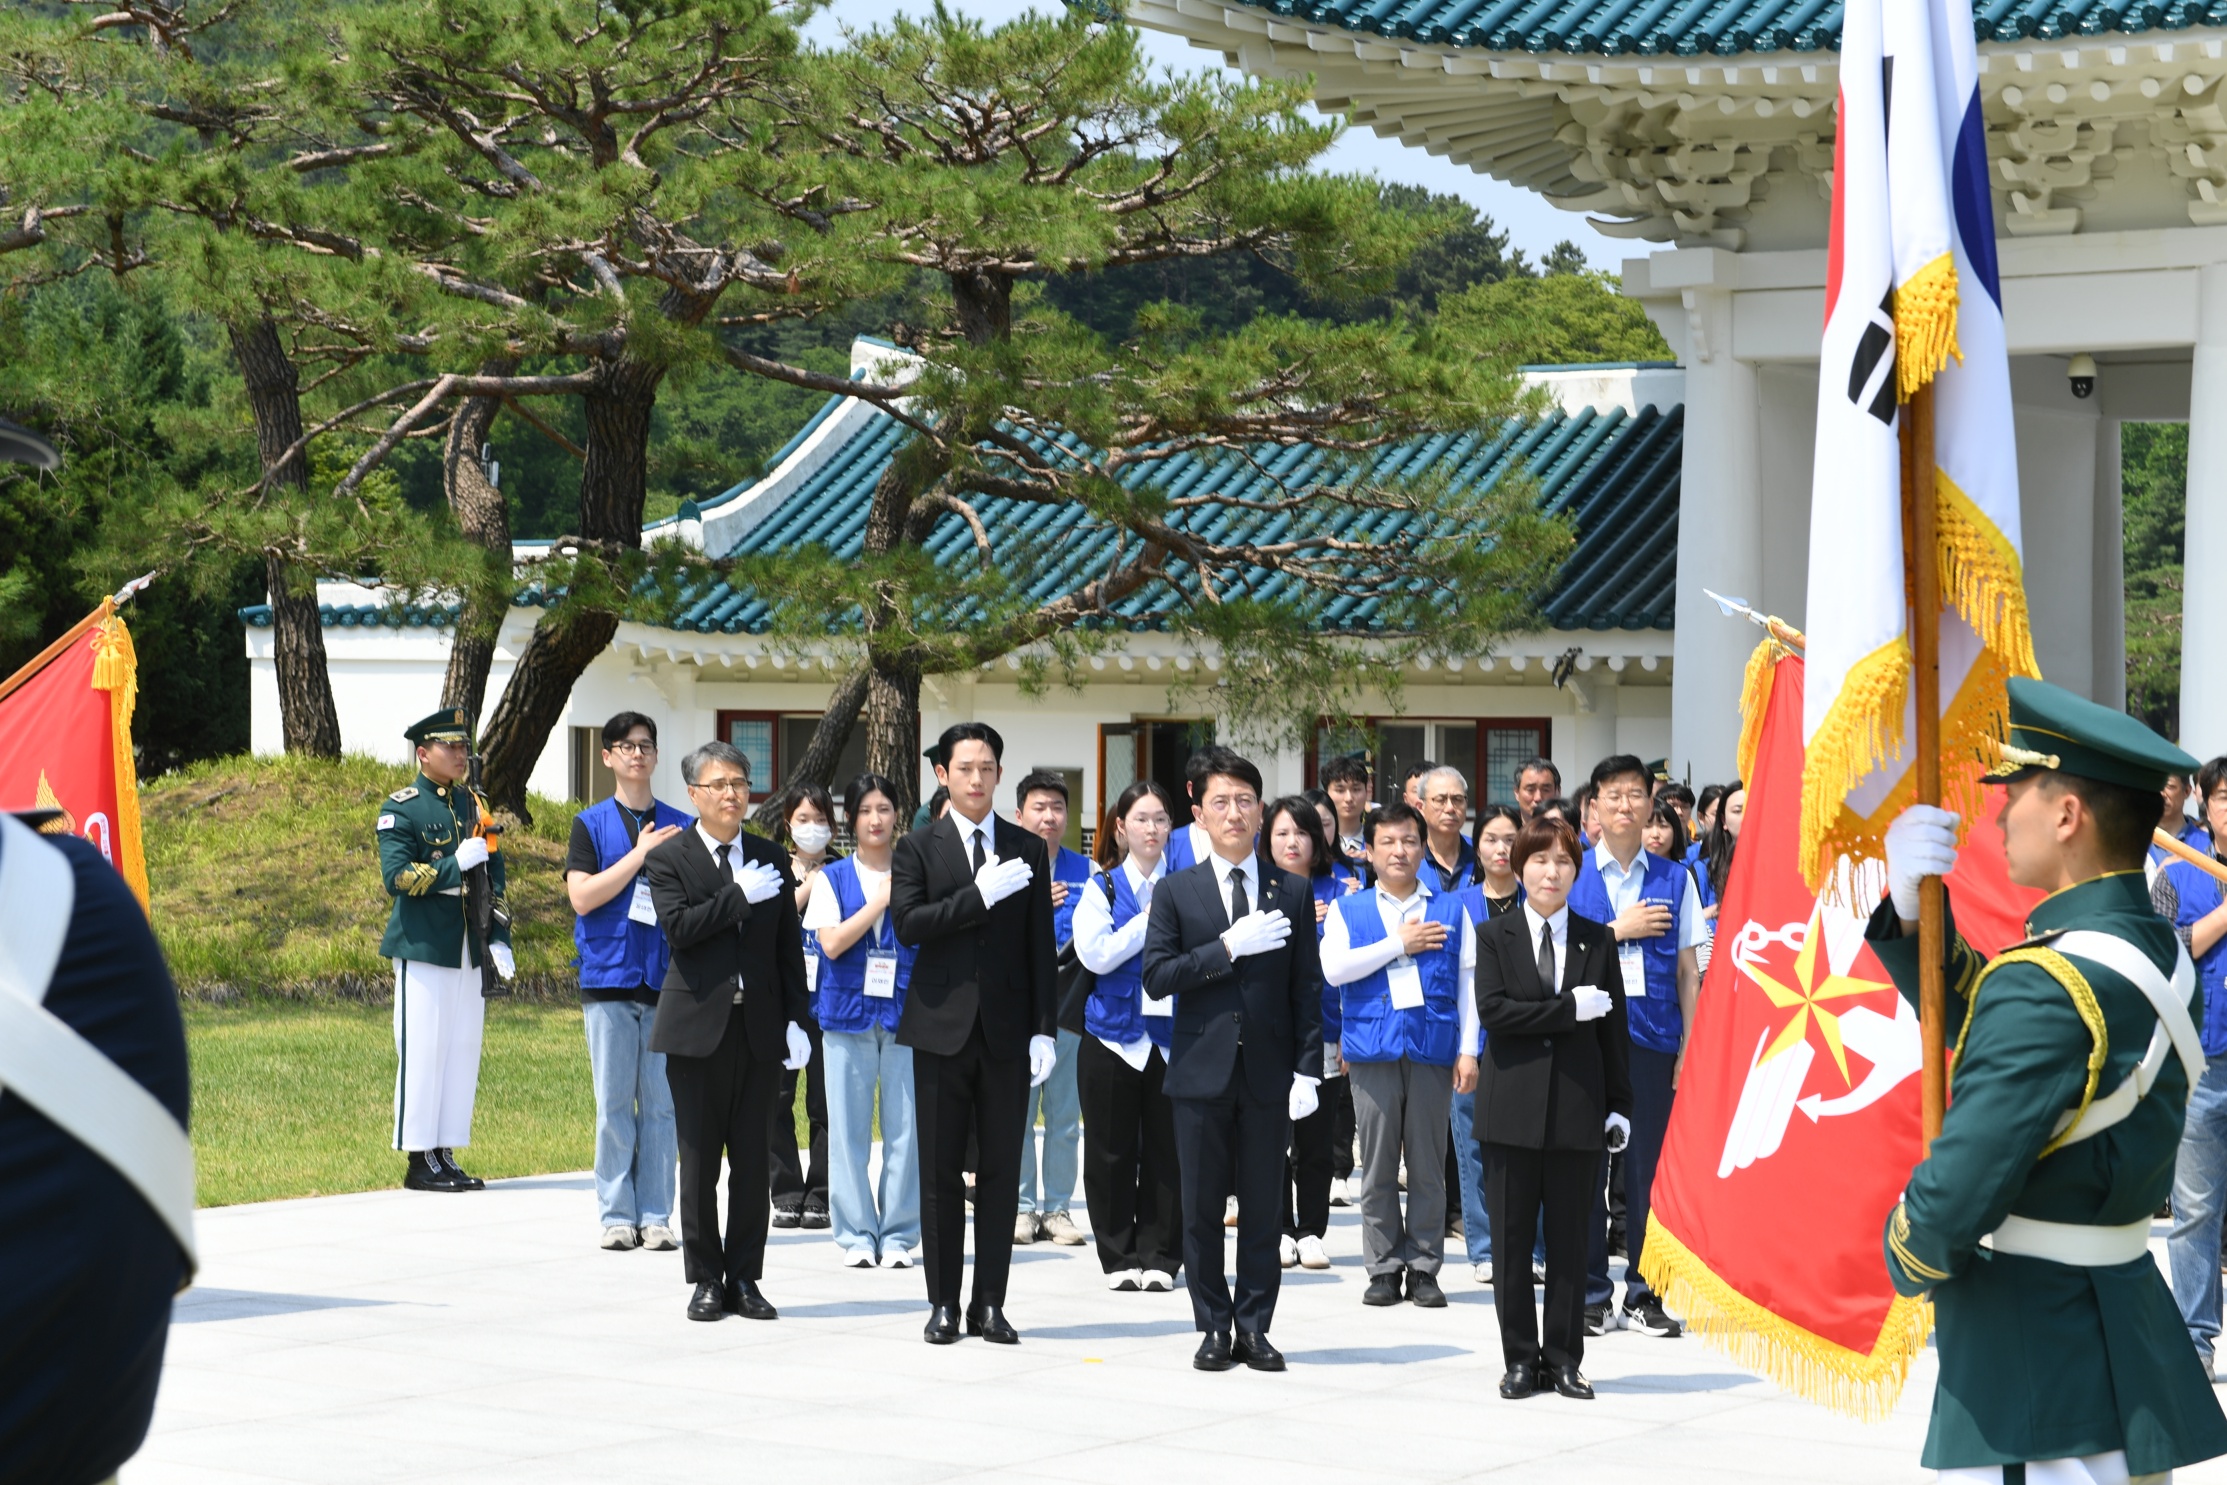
(2074, 1243)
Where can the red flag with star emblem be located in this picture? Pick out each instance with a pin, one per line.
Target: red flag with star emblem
(1797, 1120)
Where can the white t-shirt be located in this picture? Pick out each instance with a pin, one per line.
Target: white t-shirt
(824, 912)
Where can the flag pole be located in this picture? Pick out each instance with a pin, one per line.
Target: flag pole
(1922, 577)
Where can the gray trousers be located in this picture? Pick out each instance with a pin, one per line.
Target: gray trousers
(1402, 1105)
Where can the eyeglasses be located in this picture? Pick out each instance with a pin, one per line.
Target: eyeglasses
(723, 786)
(633, 748)
(1444, 799)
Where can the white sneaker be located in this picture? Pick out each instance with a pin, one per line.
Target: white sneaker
(1287, 1251)
(1125, 1280)
(619, 1237)
(858, 1258)
(658, 1238)
(1312, 1254)
(1481, 1272)
(1157, 1281)
(896, 1255)
(1343, 1192)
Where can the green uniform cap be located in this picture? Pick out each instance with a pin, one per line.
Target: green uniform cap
(2052, 728)
(446, 725)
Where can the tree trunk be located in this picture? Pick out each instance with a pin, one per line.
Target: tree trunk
(307, 716)
(613, 483)
(893, 730)
(484, 518)
(817, 766)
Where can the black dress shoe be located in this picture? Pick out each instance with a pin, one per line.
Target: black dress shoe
(426, 1173)
(1213, 1354)
(814, 1219)
(943, 1326)
(1383, 1290)
(1423, 1290)
(465, 1179)
(1521, 1381)
(787, 1217)
(989, 1322)
(709, 1302)
(744, 1299)
(1252, 1348)
(1570, 1382)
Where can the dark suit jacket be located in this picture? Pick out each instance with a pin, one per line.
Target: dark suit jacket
(996, 965)
(1273, 1000)
(1546, 1081)
(721, 940)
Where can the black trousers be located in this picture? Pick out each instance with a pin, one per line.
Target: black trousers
(1129, 1161)
(1337, 1093)
(1307, 1197)
(969, 1092)
(795, 1188)
(1518, 1184)
(1232, 1145)
(720, 1107)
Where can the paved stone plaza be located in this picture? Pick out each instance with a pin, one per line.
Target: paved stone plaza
(398, 1336)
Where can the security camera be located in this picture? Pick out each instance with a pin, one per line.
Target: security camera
(2081, 372)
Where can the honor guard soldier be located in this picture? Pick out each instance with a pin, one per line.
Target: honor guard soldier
(434, 836)
(2062, 1355)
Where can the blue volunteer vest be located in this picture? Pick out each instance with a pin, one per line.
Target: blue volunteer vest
(1656, 1022)
(1329, 887)
(843, 1004)
(1115, 1010)
(2199, 894)
(1180, 856)
(617, 953)
(1074, 869)
(1370, 1029)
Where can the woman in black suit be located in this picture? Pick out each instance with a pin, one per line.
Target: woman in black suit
(1554, 1092)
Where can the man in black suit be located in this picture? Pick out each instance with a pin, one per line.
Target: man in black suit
(1247, 1053)
(1553, 1094)
(973, 894)
(728, 1021)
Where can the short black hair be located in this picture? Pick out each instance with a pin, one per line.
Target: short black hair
(1422, 766)
(1308, 818)
(1040, 780)
(2210, 777)
(1538, 765)
(815, 795)
(1227, 762)
(937, 803)
(1557, 806)
(1508, 812)
(1397, 812)
(1664, 814)
(1346, 768)
(1616, 765)
(615, 730)
(2125, 816)
(959, 732)
(1675, 792)
(855, 792)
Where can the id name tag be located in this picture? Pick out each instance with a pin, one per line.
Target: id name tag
(1406, 979)
(1163, 1005)
(639, 910)
(881, 974)
(1632, 960)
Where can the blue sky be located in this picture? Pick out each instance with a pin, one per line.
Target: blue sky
(1531, 224)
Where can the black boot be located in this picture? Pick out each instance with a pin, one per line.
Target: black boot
(465, 1179)
(426, 1173)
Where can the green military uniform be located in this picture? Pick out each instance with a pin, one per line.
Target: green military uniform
(2028, 1223)
(419, 827)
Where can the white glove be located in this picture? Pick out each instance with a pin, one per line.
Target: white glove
(1592, 1002)
(1043, 1056)
(800, 1048)
(998, 880)
(757, 880)
(505, 965)
(470, 852)
(1920, 843)
(1619, 1131)
(1303, 1098)
(1256, 933)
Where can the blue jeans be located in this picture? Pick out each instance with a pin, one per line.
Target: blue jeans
(636, 1152)
(2199, 1176)
(859, 1063)
(1652, 1097)
(1062, 1105)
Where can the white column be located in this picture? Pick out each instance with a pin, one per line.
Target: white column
(1720, 541)
(1595, 693)
(2108, 583)
(2204, 605)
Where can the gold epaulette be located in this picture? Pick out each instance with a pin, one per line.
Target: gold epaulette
(2036, 951)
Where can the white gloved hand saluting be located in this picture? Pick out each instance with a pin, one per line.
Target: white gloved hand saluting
(1920, 843)
(800, 1048)
(1043, 1056)
(1304, 1099)
(1619, 1132)
(998, 880)
(1256, 933)
(470, 852)
(505, 965)
(1592, 1002)
(758, 881)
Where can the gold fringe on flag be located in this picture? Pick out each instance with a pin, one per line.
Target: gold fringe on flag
(116, 671)
(1982, 578)
(1863, 728)
(1755, 700)
(1925, 325)
(1804, 1363)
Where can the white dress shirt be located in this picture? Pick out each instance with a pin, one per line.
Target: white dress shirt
(1102, 948)
(969, 830)
(733, 848)
(1623, 884)
(1343, 963)
(1250, 866)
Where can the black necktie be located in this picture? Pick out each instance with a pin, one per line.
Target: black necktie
(1238, 907)
(1546, 959)
(978, 851)
(721, 853)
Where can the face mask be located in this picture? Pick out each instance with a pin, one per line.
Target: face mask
(811, 839)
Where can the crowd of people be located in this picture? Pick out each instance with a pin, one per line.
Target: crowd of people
(1481, 1035)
